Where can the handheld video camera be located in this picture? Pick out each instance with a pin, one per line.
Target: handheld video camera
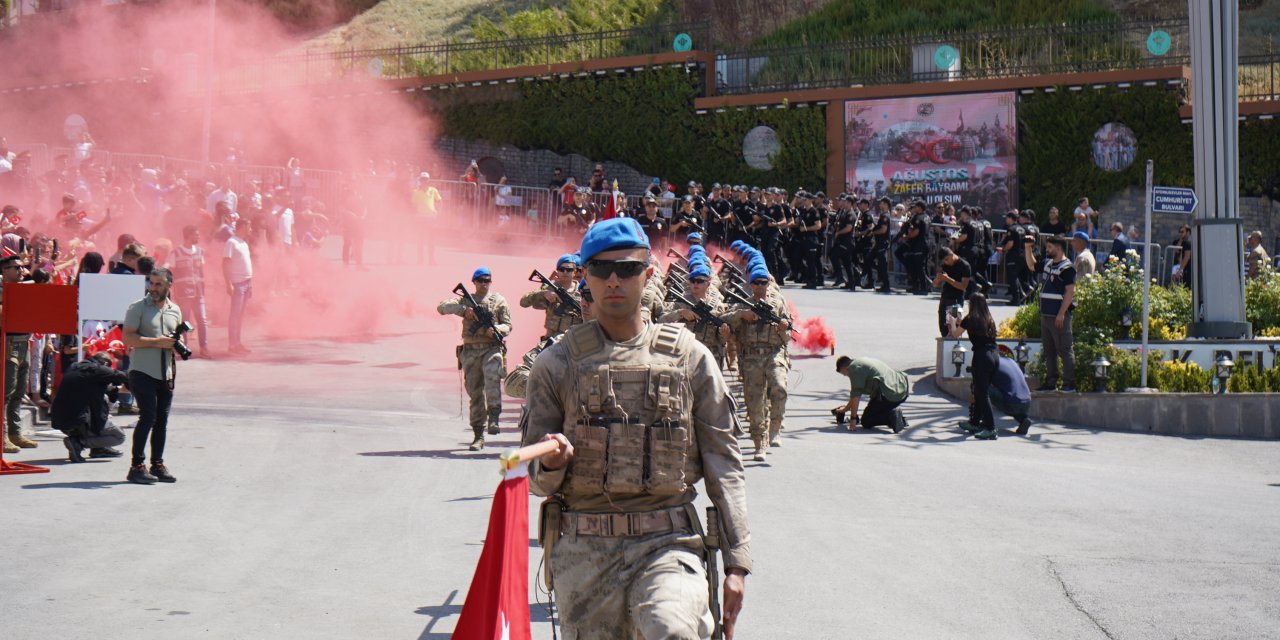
(179, 346)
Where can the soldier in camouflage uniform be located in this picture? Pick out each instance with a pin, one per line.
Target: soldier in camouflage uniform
(652, 301)
(712, 335)
(557, 320)
(481, 355)
(763, 362)
(641, 414)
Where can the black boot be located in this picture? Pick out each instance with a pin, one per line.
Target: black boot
(73, 449)
(477, 443)
(493, 421)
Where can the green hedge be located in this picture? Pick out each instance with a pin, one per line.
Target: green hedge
(647, 121)
(1055, 130)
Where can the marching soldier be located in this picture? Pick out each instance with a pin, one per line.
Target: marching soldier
(641, 413)
(560, 316)
(763, 361)
(705, 320)
(486, 321)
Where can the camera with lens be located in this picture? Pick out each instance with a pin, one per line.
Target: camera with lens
(179, 346)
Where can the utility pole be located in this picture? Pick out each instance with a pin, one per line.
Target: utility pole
(1217, 307)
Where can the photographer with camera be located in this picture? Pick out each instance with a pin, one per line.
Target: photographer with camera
(152, 328)
(82, 408)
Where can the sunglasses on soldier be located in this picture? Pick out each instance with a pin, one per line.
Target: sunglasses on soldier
(482, 280)
(624, 268)
(568, 269)
(759, 283)
(698, 280)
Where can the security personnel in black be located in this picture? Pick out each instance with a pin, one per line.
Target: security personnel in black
(811, 220)
(878, 262)
(913, 252)
(986, 248)
(687, 220)
(1027, 218)
(766, 231)
(792, 246)
(842, 243)
(968, 245)
(718, 214)
(744, 211)
(1015, 264)
(654, 225)
(864, 223)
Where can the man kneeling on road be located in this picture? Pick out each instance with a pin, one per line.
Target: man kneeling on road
(886, 387)
(82, 407)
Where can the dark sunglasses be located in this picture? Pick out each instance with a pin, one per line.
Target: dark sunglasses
(624, 268)
(482, 280)
(759, 283)
(698, 280)
(566, 269)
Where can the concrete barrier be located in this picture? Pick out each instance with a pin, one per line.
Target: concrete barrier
(1243, 415)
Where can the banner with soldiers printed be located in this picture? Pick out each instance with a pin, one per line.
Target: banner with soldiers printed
(955, 148)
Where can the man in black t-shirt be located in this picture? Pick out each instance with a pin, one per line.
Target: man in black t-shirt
(954, 278)
(842, 243)
(812, 220)
(654, 225)
(915, 247)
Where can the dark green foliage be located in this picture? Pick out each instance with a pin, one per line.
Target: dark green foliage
(851, 19)
(647, 120)
(1055, 130)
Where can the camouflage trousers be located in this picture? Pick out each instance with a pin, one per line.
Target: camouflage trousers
(764, 387)
(482, 373)
(640, 588)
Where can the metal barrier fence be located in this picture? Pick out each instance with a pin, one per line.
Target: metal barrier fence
(1065, 48)
(1258, 75)
(420, 60)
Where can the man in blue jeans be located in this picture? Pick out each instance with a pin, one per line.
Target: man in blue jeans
(237, 267)
(148, 326)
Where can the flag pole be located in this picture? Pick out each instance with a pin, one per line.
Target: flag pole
(529, 453)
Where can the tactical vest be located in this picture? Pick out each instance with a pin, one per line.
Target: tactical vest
(760, 336)
(629, 421)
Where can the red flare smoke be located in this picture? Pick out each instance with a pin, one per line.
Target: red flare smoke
(812, 334)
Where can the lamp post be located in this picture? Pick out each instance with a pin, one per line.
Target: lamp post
(1126, 319)
(957, 357)
(1100, 366)
(1222, 369)
(1022, 355)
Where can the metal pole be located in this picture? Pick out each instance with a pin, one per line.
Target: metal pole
(207, 124)
(1146, 278)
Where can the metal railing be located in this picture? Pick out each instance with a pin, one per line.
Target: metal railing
(1258, 76)
(1066, 48)
(412, 61)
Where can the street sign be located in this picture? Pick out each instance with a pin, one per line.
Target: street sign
(1173, 200)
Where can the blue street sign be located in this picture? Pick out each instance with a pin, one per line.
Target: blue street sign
(1173, 200)
(683, 42)
(1158, 43)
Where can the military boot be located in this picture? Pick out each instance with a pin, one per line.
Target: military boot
(22, 441)
(774, 432)
(493, 421)
(10, 447)
(760, 443)
(478, 443)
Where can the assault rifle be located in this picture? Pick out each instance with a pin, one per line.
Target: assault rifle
(734, 273)
(484, 317)
(672, 253)
(567, 303)
(759, 307)
(692, 224)
(699, 307)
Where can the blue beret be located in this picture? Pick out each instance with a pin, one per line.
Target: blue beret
(482, 272)
(693, 237)
(568, 257)
(1080, 235)
(757, 274)
(615, 233)
(697, 250)
(700, 271)
(699, 263)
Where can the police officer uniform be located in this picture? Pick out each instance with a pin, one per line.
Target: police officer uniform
(481, 358)
(648, 418)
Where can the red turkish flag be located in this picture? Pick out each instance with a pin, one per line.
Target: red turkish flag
(497, 605)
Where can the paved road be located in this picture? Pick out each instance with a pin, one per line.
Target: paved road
(325, 492)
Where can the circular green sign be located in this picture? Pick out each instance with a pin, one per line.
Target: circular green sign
(1158, 43)
(683, 42)
(945, 56)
